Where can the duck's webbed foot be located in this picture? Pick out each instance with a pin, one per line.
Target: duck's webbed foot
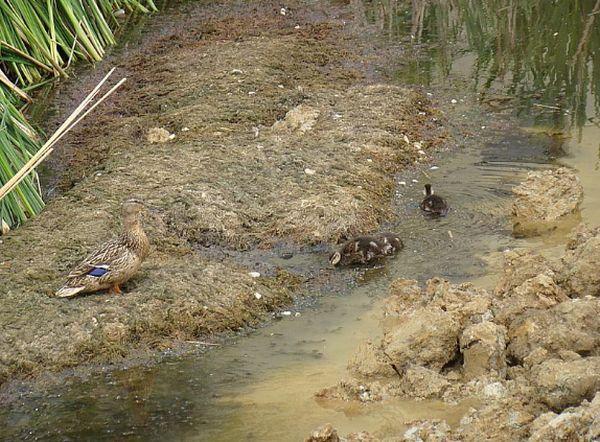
(115, 290)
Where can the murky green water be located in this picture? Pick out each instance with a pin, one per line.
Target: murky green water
(533, 61)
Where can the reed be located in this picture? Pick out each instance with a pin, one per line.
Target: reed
(39, 39)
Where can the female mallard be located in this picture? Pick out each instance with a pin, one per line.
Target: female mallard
(433, 204)
(115, 262)
(363, 249)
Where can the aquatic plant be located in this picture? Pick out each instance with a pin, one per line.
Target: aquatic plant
(39, 40)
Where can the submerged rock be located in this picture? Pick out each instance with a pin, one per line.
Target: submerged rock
(545, 197)
(580, 274)
(483, 347)
(562, 384)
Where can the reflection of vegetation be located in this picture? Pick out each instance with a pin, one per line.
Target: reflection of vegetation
(538, 50)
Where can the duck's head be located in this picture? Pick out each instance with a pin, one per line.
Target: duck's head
(428, 190)
(335, 258)
(132, 210)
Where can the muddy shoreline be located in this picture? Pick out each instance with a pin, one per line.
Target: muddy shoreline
(228, 184)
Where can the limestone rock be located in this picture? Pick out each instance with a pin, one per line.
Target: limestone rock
(158, 135)
(326, 433)
(571, 325)
(465, 302)
(505, 420)
(519, 266)
(369, 360)
(562, 384)
(574, 424)
(427, 431)
(546, 196)
(540, 292)
(483, 347)
(423, 383)
(580, 273)
(427, 337)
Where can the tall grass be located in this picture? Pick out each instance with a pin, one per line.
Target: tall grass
(40, 39)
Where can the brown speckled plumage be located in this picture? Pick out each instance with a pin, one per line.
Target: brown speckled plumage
(363, 249)
(121, 257)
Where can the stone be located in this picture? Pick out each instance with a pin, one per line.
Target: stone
(301, 119)
(369, 361)
(434, 430)
(483, 346)
(561, 384)
(579, 273)
(326, 433)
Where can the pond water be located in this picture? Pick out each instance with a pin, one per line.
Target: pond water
(527, 63)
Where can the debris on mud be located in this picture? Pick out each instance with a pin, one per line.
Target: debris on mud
(544, 198)
(159, 135)
(525, 354)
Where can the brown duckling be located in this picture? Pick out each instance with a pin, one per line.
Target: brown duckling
(364, 249)
(113, 263)
(433, 204)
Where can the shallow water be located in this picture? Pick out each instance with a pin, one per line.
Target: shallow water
(262, 386)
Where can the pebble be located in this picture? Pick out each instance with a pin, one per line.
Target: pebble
(257, 295)
(297, 314)
(172, 137)
(286, 313)
(237, 71)
(251, 93)
(402, 183)
(254, 274)
(453, 101)
(297, 27)
(287, 255)
(309, 171)
(415, 181)
(369, 160)
(185, 129)
(434, 168)
(282, 11)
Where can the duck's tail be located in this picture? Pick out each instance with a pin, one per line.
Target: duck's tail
(67, 292)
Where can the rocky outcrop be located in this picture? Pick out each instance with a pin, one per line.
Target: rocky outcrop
(427, 337)
(561, 384)
(569, 326)
(580, 273)
(574, 424)
(427, 431)
(483, 346)
(545, 197)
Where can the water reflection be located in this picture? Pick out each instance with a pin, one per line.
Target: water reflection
(521, 54)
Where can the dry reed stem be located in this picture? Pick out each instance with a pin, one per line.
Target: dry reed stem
(69, 123)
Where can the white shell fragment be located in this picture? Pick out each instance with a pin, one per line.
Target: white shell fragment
(254, 274)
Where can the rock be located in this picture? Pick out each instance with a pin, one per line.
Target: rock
(507, 419)
(423, 383)
(483, 347)
(571, 325)
(326, 433)
(369, 360)
(562, 384)
(520, 266)
(363, 436)
(158, 135)
(300, 119)
(426, 337)
(579, 273)
(546, 196)
(574, 424)
(355, 390)
(434, 430)
(540, 292)
(465, 302)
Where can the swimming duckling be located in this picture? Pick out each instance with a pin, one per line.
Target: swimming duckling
(363, 249)
(113, 263)
(433, 204)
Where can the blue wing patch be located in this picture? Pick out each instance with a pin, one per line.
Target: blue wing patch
(98, 272)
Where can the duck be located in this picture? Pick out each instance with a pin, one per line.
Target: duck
(364, 249)
(433, 204)
(113, 263)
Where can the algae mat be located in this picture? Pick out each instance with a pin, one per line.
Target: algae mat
(279, 136)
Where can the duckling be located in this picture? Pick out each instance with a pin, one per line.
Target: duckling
(433, 204)
(115, 262)
(363, 249)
